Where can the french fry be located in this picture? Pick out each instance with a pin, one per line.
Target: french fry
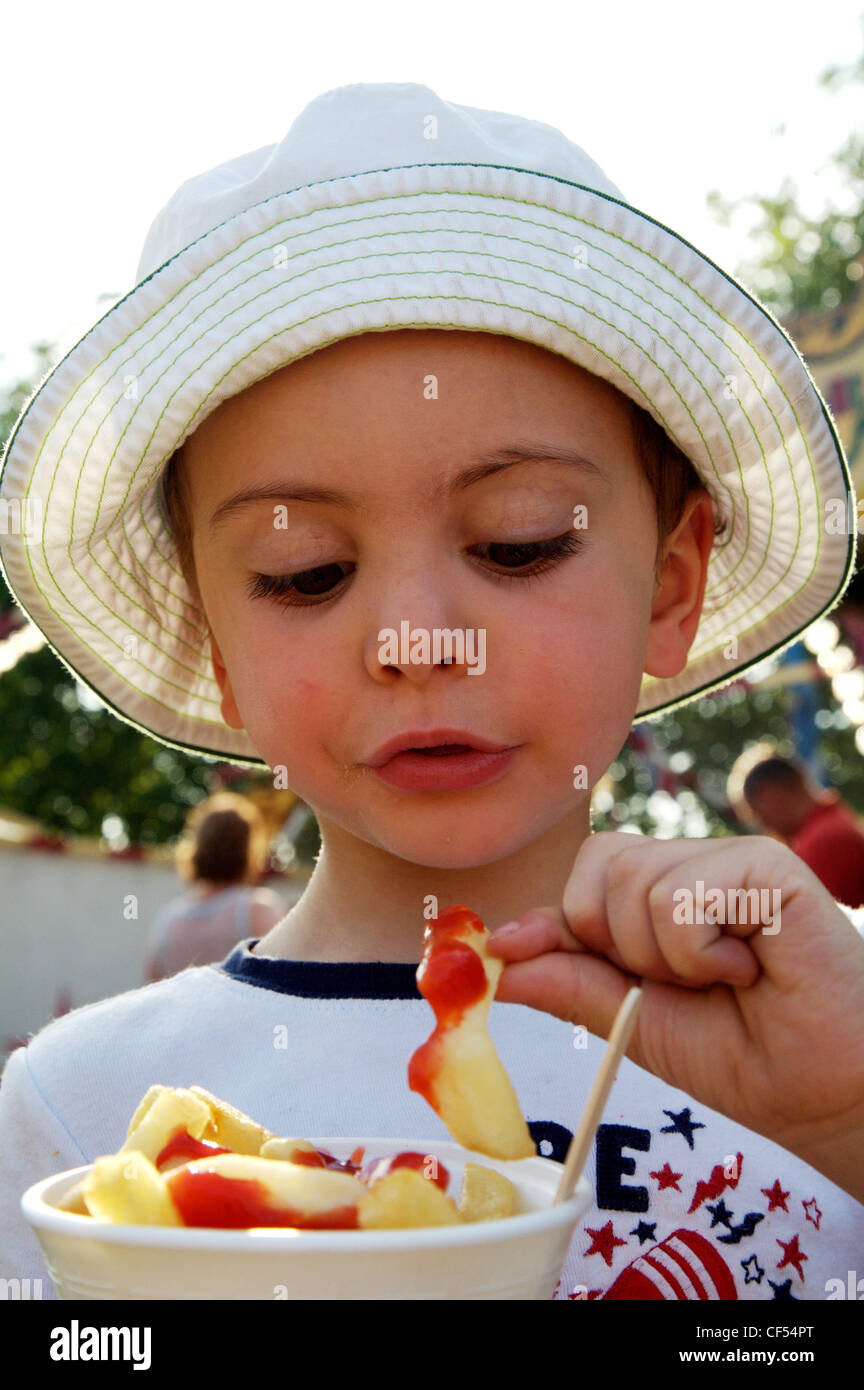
(229, 1127)
(405, 1199)
(457, 1070)
(144, 1105)
(286, 1148)
(486, 1194)
(170, 1111)
(126, 1187)
(281, 1193)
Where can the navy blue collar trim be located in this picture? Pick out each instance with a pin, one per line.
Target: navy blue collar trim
(321, 979)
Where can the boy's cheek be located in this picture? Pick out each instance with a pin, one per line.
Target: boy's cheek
(311, 693)
(291, 719)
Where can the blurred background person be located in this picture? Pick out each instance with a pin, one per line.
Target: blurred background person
(222, 853)
(813, 821)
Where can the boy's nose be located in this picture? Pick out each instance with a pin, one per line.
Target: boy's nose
(419, 638)
(417, 672)
(418, 621)
(417, 649)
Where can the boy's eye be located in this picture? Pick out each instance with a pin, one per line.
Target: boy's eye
(518, 559)
(310, 586)
(531, 556)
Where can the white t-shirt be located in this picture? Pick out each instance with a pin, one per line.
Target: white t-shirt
(313, 1049)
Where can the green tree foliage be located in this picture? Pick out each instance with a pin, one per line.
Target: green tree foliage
(71, 766)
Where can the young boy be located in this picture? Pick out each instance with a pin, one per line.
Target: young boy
(432, 375)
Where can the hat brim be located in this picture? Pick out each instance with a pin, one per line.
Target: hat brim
(468, 246)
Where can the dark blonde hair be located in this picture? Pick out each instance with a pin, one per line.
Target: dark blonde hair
(668, 471)
(175, 491)
(225, 840)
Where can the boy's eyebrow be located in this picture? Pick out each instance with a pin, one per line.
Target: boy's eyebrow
(485, 466)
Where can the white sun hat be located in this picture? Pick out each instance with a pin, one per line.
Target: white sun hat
(387, 207)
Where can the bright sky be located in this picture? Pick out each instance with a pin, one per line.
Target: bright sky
(106, 109)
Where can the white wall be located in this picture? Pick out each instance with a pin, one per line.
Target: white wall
(65, 922)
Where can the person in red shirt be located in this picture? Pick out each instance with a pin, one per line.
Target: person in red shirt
(816, 824)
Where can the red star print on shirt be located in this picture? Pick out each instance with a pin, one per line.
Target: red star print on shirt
(817, 1219)
(776, 1196)
(603, 1241)
(792, 1255)
(666, 1178)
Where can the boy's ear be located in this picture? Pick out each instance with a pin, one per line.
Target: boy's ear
(230, 712)
(680, 588)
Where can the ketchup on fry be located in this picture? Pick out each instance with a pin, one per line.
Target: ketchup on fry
(380, 1167)
(182, 1145)
(320, 1158)
(211, 1199)
(451, 977)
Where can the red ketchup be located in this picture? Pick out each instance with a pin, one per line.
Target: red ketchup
(451, 977)
(380, 1167)
(182, 1145)
(203, 1198)
(320, 1158)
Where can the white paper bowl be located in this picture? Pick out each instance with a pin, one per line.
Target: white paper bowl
(518, 1257)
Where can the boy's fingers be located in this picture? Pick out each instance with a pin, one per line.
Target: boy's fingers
(627, 899)
(595, 884)
(581, 988)
(695, 945)
(638, 904)
(536, 932)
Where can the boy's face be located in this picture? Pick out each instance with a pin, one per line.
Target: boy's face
(391, 420)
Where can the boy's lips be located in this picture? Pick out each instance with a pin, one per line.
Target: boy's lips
(460, 740)
(440, 760)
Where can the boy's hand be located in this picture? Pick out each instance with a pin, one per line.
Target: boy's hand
(766, 1027)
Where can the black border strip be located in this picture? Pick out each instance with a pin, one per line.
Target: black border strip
(320, 979)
